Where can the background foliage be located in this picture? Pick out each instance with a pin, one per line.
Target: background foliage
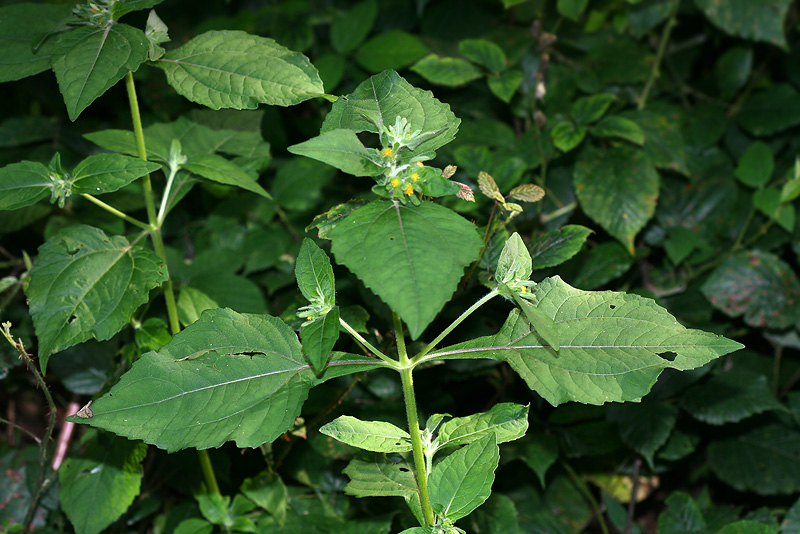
(663, 133)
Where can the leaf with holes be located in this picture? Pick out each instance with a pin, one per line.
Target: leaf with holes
(227, 376)
(758, 285)
(412, 257)
(86, 284)
(383, 479)
(613, 345)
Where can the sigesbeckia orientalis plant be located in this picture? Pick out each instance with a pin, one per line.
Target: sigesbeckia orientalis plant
(231, 376)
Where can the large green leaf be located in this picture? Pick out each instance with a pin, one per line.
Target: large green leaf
(349, 28)
(770, 111)
(100, 484)
(759, 21)
(233, 69)
(378, 101)
(758, 285)
(763, 460)
(228, 376)
(450, 71)
(23, 184)
(106, 173)
(223, 171)
(391, 49)
(463, 480)
(20, 24)
(86, 284)
(618, 188)
(339, 148)
(376, 436)
(613, 345)
(484, 53)
(90, 60)
(410, 256)
(507, 421)
(383, 479)
(557, 246)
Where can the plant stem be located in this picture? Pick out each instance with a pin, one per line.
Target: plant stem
(158, 245)
(118, 213)
(419, 358)
(655, 72)
(413, 423)
(584, 490)
(358, 337)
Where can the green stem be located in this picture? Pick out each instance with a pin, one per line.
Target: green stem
(158, 246)
(419, 358)
(118, 213)
(655, 72)
(358, 337)
(587, 494)
(413, 423)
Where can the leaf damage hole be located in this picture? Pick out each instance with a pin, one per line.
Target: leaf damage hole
(613, 306)
(669, 355)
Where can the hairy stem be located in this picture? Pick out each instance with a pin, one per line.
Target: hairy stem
(360, 339)
(118, 213)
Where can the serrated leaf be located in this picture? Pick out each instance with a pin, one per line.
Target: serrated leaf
(192, 303)
(89, 60)
(758, 285)
(489, 188)
(339, 148)
(507, 421)
(590, 109)
(319, 337)
(527, 193)
(664, 143)
(376, 436)
(99, 485)
(20, 24)
(314, 273)
(223, 171)
(567, 135)
(613, 345)
(106, 173)
(730, 397)
(776, 470)
(23, 184)
(231, 376)
(557, 246)
(449, 71)
(412, 257)
(756, 165)
(483, 52)
(233, 69)
(349, 28)
(515, 261)
(759, 21)
(379, 100)
(391, 49)
(620, 128)
(86, 284)
(618, 188)
(463, 480)
(383, 479)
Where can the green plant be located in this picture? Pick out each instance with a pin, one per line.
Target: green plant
(237, 374)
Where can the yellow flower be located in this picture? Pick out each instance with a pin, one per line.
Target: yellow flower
(395, 182)
(524, 289)
(420, 164)
(415, 177)
(409, 190)
(388, 152)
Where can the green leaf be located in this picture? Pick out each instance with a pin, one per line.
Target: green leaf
(99, 485)
(269, 492)
(233, 69)
(314, 273)
(463, 480)
(758, 285)
(515, 261)
(383, 479)
(23, 184)
(378, 101)
(120, 9)
(775, 470)
(601, 264)
(729, 397)
(540, 452)
(86, 284)
(498, 515)
(319, 337)
(106, 173)
(192, 303)
(572, 9)
(620, 128)
(618, 188)
(682, 516)
(89, 60)
(223, 171)
(541, 322)
(759, 21)
(646, 426)
(590, 109)
(20, 24)
(566, 135)
(231, 376)
(756, 165)
(557, 246)
(733, 70)
(748, 527)
(613, 345)
(484, 53)
(505, 84)
(393, 49)
(151, 335)
(339, 148)
(664, 143)
(770, 111)
(507, 421)
(412, 257)
(768, 202)
(449, 71)
(376, 436)
(349, 28)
